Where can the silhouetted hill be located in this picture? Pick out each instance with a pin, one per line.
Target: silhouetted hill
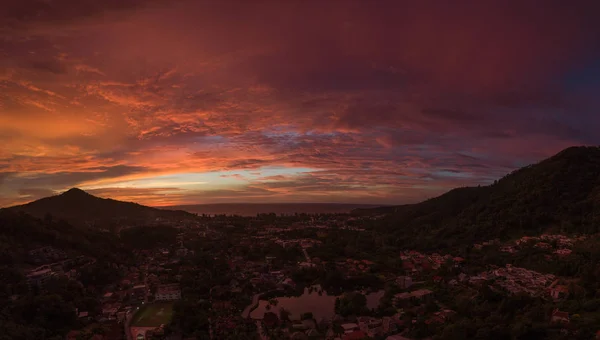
(20, 232)
(80, 208)
(561, 192)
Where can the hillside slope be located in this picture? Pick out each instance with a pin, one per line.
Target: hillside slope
(80, 208)
(561, 192)
(20, 232)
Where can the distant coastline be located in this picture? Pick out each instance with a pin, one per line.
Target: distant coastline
(251, 209)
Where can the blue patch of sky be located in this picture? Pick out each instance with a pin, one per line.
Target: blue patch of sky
(588, 75)
(451, 174)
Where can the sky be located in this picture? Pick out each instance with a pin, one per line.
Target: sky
(381, 102)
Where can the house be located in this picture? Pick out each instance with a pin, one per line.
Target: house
(309, 323)
(350, 327)
(396, 337)
(402, 296)
(356, 335)
(421, 293)
(288, 282)
(109, 310)
(560, 317)
(371, 326)
(543, 245)
(404, 282)
(458, 261)
(168, 292)
(221, 305)
(39, 277)
(563, 252)
(389, 325)
(508, 249)
(559, 292)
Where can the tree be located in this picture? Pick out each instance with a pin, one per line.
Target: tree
(284, 314)
(306, 316)
(352, 304)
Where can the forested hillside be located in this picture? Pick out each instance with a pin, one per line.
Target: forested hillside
(560, 193)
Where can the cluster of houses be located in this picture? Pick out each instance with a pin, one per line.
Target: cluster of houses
(366, 326)
(353, 267)
(515, 280)
(67, 267)
(415, 262)
(303, 243)
(560, 245)
(349, 329)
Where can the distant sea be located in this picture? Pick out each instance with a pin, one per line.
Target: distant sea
(251, 209)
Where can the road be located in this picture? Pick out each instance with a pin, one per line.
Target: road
(306, 255)
(246, 312)
(147, 293)
(127, 325)
(259, 330)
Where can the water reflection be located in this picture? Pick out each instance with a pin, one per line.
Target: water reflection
(322, 306)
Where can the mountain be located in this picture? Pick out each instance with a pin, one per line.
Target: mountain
(21, 232)
(561, 193)
(81, 208)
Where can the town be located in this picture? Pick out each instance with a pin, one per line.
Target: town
(303, 277)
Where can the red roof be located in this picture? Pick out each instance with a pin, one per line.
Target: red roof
(356, 335)
(72, 335)
(407, 265)
(561, 289)
(559, 314)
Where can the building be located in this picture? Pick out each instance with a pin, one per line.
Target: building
(168, 292)
(559, 292)
(404, 282)
(560, 317)
(371, 326)
(396, 337)
(39, 277)
(356, 335)
(139, 292)
(350, 328)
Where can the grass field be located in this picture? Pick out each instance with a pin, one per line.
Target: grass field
(153, 315)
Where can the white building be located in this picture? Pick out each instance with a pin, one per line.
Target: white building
(168, 292)
(39, 277)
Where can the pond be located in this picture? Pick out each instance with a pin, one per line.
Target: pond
(322, 306)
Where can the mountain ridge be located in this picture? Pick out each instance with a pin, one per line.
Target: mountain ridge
(561, 192)
(82, 208)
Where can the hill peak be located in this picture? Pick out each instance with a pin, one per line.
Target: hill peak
(578, 151)
(75, 192)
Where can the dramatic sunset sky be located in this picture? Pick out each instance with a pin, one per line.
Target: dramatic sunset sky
(181, 102)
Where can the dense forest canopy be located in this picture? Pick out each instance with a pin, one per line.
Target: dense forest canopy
(561, 193)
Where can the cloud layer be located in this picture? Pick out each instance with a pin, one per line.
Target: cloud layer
(185, 102)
